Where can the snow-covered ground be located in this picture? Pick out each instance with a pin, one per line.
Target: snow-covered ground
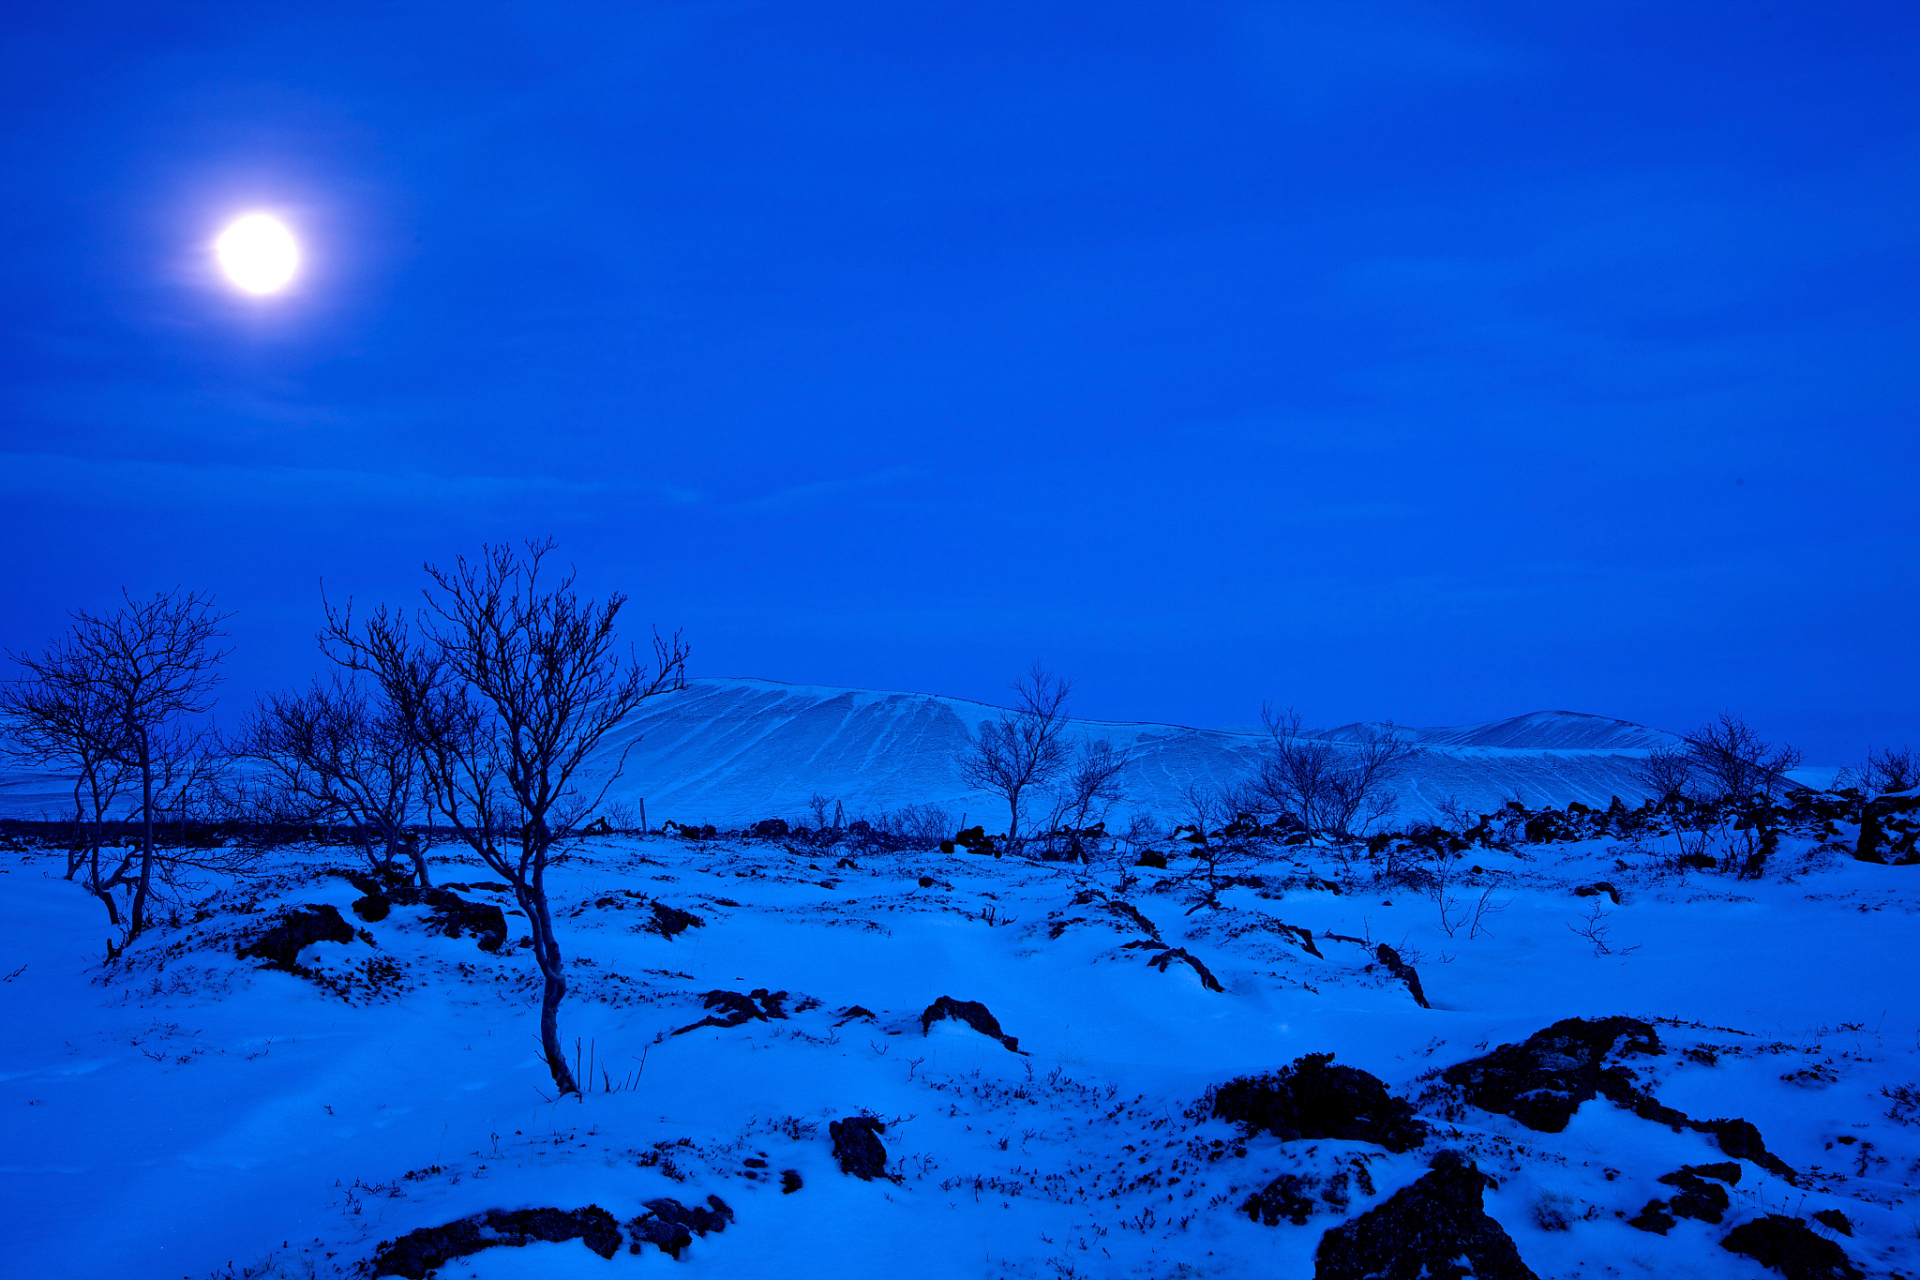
(185, 1113)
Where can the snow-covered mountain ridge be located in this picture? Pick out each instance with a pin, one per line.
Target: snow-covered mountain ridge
(736, 750)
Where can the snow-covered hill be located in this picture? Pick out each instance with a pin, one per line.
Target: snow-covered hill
(733, 751)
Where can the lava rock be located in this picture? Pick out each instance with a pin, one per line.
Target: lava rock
(671, 1226)
(1313, 1098)
(1789, 1246)
(418, 1254)
(1150, 858)
(971, 1012)
(857, 1146)
(1597, 888)
(373, 908)
(1400, 969)
(1698, 1199)
(294, 928)
(1436, 1229)
(1542, 1081)
(771, 829)
(1168, 956)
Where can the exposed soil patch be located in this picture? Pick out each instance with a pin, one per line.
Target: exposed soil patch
(1313, 1098)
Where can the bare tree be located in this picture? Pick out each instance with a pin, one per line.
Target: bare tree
(1742, 774)
(1332, 790)
(1735, 763)
(512, 686)
(335, 754)
(1025, 747)
(57, 718)
(1667, 774)
(1089, 790)
(143, 670)
(1889, 769)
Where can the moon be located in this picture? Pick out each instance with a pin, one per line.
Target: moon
(258, 254)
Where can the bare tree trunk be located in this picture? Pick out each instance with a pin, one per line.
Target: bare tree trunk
(546, 953)
(137, 916)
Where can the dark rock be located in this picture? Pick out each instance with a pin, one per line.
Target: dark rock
(1597, 888)
(1834, 1220)
(1789, 1246)
(854, 1011)
(1726, 1171)
(373, 908)
(1148, 858)
(1654, 1218)
(771, 829)
(857, 1146)
(1436, 1229)
(1286, 1197)
(1171, 954)
(668, 921)
(736, 1010)
(1313, 1098)
(294, 928)
(1741, 1140)
(1542, 1081)
(1400, 969)
(790, 1181)
(418, 1254)
(1698, 1199)
(971, 1012)
(671, 1226)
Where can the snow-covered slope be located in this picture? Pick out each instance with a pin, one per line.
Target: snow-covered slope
(733, 751)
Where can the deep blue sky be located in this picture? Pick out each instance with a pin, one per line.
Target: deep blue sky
(1433, 361)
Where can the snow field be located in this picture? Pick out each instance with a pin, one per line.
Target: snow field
(187, 1113)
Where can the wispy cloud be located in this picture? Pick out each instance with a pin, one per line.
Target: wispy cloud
(126, 481)
(800, 496)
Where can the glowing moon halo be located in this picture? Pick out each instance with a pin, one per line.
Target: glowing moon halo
(259, 255)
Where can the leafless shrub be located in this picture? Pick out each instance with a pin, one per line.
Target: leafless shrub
(1334, 791)
(1595, 927)
(1889, 769)
(334, 754)
(135, 675)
